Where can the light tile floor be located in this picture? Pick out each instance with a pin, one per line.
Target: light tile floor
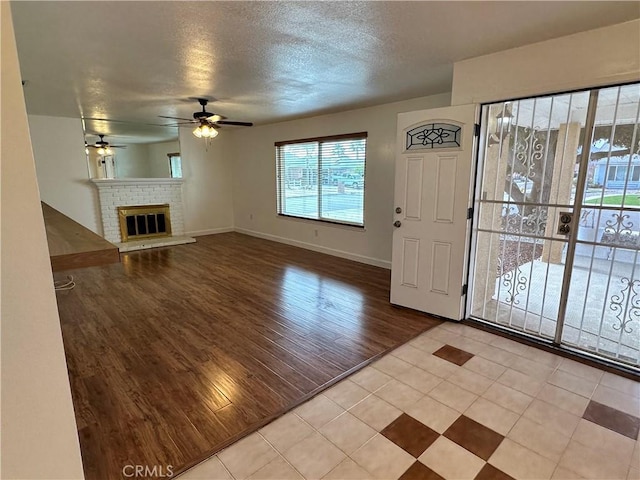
(454, 403)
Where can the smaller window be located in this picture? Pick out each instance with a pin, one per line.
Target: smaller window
(175, 165)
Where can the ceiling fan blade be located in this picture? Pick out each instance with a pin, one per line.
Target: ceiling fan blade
(180, 124)
(108, 120)
(177, 118)
(106, 146)
(215, 117)
(229, 122)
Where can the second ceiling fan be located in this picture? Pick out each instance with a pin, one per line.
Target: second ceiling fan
(103, 147)
(208, 123)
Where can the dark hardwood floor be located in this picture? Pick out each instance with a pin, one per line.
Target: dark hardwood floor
(177, 352)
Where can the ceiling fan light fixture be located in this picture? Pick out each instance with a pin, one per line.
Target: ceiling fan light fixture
(101, 151)
(205, 131)
(207, 122)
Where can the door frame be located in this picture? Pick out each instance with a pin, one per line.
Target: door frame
(576, 207)
(556, 343)
(478, 162)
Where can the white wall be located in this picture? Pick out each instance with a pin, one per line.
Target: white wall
(132, 162)
(142, 160)
(39, 438)
(138, 160)
(62, 169)
(92, 159)
(207, 188)
(158, 159)
(254, 181)
(597, 57)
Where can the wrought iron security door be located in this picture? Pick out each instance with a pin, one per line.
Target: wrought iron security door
(557, 230)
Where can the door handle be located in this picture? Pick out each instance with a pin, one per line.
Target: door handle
(397, 223)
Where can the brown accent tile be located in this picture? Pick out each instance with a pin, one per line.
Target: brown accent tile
(419, 471)
(613, 419)
(453, 355)
(476, 438)
(489, 472)
(409, 434)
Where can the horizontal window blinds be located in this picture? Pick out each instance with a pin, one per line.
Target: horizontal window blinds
(322, 178)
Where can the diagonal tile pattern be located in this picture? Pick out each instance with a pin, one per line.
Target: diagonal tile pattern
(409, 434)
(473, 436)
(419, 471)
(489, 472)
(431, 410)
(450, 460)
(609, 417)
(453, 354)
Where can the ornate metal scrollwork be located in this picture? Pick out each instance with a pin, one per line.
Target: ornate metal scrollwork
(434, 135)
(618, 226)
(516, 283)
(529, 150)
(618, 233)
(631, 296)
(511, 222)
(537, 220)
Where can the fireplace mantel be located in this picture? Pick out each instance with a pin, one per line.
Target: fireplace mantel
(137, 181)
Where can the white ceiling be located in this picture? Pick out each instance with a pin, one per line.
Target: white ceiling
(265, 61)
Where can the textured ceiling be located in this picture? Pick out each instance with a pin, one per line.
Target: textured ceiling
(266, 61)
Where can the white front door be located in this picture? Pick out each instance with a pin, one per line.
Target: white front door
(433, 192)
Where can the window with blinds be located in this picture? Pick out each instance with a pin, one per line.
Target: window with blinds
(322, 178)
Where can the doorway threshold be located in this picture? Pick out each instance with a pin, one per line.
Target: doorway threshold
(566, 351)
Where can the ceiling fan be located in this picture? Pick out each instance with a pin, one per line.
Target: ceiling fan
(207, 122)
(103, 146)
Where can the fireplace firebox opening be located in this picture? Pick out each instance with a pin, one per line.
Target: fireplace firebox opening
(144, 221)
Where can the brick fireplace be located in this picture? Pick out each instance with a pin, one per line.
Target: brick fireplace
(115, 193)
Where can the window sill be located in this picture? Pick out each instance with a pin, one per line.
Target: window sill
(331, 223)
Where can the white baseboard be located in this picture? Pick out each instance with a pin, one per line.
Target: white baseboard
(212, 231)
(318, 248)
